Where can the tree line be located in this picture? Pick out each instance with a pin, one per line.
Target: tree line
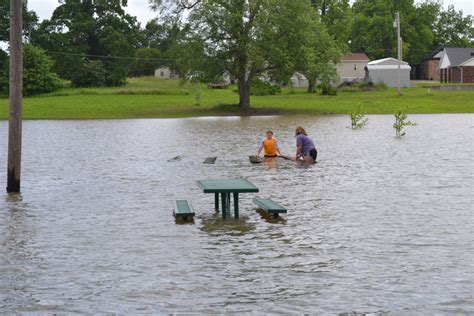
(96, 43)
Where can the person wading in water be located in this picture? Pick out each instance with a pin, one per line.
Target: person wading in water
(269, 144)
(305, 148)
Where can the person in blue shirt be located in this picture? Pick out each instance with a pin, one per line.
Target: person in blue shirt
(305, 148)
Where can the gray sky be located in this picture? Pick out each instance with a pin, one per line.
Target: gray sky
(141, 9)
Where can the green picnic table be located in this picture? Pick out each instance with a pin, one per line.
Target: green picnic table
(225, 187)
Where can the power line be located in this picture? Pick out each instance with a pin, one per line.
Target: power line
(109, 57)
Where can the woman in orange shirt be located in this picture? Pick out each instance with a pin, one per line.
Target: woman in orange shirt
(269, 145)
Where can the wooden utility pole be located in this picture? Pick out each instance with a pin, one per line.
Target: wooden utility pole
(16, 96)
(399, 42)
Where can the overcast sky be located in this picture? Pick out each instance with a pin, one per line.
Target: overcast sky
(141, 9)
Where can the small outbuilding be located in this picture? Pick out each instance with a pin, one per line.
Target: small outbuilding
(298, 80)
(386, 71)
(166, 73)
(351, 67)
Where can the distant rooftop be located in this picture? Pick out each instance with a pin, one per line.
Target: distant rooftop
(355, 57)
(387, 61)
(458, 55)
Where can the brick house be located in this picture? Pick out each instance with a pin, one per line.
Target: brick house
(463, 73)
(456, 65)
(430, 66)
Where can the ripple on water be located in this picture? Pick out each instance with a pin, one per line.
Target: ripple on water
(379, 226)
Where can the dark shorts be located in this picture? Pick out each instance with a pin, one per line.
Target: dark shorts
(313, 153)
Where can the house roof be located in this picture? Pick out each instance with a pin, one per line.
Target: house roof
(435, 54)
(468, 63)
(458, 55)
(387, 67)
(386, 62)
(355, 57)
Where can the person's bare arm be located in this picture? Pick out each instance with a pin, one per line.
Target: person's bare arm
(259, 150)
(278, 149)
(298, 152)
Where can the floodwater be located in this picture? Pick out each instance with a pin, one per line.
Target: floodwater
(379, 225)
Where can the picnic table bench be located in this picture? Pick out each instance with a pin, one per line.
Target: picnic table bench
(270, 206)
(183, 209)
(225, 187)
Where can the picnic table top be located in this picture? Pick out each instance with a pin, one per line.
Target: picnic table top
(226, 186)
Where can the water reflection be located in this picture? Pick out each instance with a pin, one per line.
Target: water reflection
(18, 260)
(269, 217)
(215, 224)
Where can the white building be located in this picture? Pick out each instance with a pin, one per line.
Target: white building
(298, 80)
(165, 73)
(352, 67)
(386, 71)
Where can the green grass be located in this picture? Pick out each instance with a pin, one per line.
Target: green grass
(155, 98)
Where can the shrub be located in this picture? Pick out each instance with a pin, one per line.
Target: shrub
(358, 118)
(353, 86)
(381, 86)
(327, 89)
(91, 74)
(260, 87)
(37, 75)
(401, 120)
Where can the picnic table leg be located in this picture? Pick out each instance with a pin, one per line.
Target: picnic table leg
(224, 207)
(216, 201)
(236, 205)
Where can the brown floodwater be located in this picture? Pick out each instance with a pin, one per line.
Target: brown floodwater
(379, 225)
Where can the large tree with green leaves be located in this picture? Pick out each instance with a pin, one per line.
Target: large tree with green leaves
(90, 30)
(453, 29)
(38, 78)
(246, 39)
(145, 62)
(336, 16)
(424, 27)
(30, 20)
(373, 30)
(318, 55)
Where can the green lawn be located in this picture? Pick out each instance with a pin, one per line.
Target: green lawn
(155, 98)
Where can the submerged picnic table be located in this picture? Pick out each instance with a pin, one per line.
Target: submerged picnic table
(225, 187)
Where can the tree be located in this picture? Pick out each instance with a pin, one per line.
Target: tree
(92, 74)
(30, 20)
(336, 16)
(147, 60)
(318, 56)
(97, 30)
(454, 29)
(245, 39)
(162, 35)
(38, 77)
(420, 33)
(373, 30)
(3, 72)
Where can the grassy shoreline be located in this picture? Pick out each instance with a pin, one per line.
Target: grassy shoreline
(155, 98)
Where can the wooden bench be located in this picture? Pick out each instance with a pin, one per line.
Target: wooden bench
(270, 206)
(183, 209)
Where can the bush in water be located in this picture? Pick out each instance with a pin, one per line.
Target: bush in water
(358, 118)
(401, 121)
